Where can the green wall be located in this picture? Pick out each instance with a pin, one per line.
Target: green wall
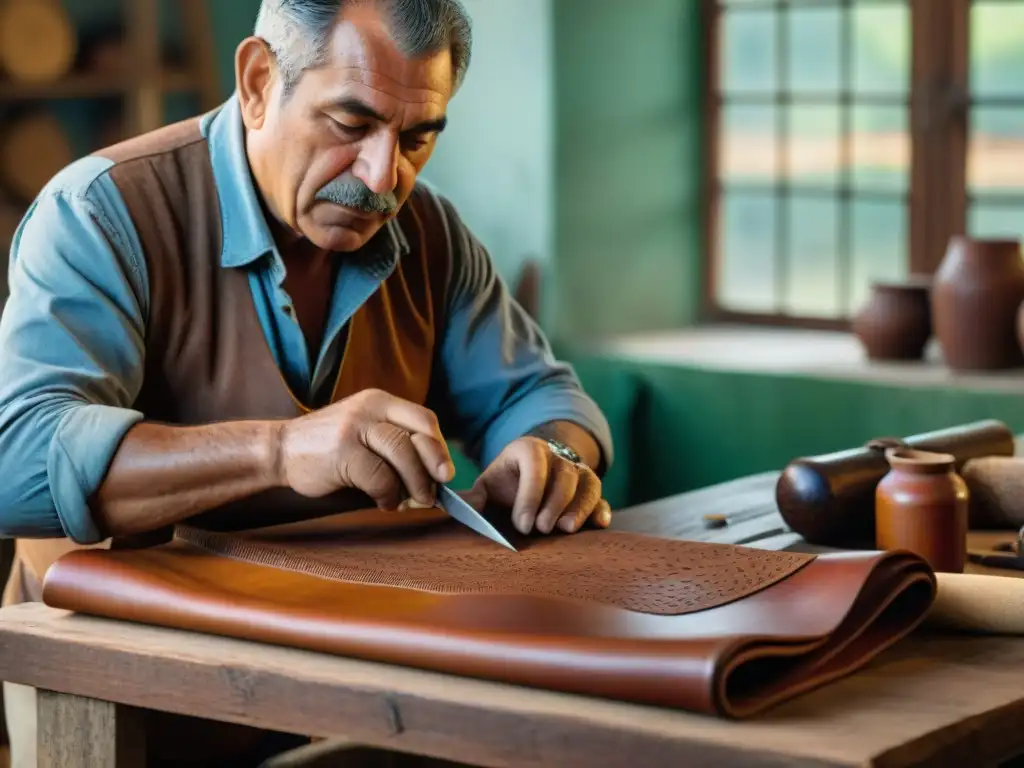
(627, 167)
(495, 158)
(232, 22)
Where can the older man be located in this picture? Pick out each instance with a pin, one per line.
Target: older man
(262, 308)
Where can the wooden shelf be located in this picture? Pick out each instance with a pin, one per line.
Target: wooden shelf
(131, 71)
(91, 86)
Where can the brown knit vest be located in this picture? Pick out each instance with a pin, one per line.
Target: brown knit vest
(207, 358)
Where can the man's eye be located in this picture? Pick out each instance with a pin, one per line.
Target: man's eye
(415, 143)
(348, 131)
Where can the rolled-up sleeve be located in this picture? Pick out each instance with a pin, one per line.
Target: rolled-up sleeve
(71, 355)
(501, 379)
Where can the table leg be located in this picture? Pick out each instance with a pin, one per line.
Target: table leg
(76, 732)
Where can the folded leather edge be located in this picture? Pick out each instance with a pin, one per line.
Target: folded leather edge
(908, 572)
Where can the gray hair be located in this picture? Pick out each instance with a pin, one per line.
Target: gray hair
(298, 31)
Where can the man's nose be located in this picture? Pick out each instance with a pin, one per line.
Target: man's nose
(377, 166)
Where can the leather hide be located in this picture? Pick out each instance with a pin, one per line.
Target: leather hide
(712, 628)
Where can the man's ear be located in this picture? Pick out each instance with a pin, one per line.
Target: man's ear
(255, 73)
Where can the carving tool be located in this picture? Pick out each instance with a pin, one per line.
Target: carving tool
(462, 511)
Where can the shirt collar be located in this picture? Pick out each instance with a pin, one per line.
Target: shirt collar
(246, 234)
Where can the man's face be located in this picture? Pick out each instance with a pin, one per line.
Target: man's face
(339, 155)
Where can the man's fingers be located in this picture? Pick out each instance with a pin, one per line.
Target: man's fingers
(434, 457)
(397, 448)
(381, 406)
(563, 481)
(420, 421)
(408, 416)
(370, 473)
(602, 516)
(586, 506)
(532, 469)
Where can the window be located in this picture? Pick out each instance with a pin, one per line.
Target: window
(849, 139)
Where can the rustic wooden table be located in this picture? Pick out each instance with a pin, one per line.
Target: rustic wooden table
(933, 700)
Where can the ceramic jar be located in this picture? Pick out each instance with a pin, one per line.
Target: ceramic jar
(976, 294)
(922, 505)
(896, 321)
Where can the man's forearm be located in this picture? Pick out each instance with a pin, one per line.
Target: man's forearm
(577, 438)
(161, 475)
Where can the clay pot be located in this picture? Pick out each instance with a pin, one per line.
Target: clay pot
(976, 294)
(922, 505)
(896, 321)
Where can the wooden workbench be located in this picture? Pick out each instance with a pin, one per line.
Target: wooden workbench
(933, 700)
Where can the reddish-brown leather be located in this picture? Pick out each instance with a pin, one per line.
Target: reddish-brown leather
(418, 551)
(727, 650)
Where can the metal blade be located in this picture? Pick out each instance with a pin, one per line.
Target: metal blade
(462, 511)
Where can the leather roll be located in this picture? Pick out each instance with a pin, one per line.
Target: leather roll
(718, 629)
(830, 499)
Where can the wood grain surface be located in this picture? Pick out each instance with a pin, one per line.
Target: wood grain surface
(931, 701)
(76, 732)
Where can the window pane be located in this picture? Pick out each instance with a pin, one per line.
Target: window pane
(749, 149)
(995, 155)
(880, 148)
(746, 274)
(879, 252)
(812, 263)
(748, 51)
(997, 48)
(814, 45)
(813, 145)
(996, 221)
(881, 48)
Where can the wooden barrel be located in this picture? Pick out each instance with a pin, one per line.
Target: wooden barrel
(38, 42)
(32, 150)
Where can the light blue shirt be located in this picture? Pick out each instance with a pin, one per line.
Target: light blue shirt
(72, 337)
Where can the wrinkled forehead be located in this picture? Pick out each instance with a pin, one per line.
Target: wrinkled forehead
(363, 59)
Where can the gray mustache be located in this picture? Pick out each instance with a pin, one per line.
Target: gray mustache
(351, 192)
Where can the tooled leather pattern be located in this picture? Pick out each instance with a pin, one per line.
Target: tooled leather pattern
(631, 571)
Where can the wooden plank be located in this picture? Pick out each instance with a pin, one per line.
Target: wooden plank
(930, 701)
(77, 732)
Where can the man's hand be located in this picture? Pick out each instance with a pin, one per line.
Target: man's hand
(542, 488)
(373, 441)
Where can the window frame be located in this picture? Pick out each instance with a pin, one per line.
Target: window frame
(938, 113)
